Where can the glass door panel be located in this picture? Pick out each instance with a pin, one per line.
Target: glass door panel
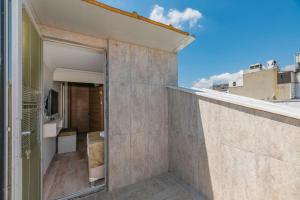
(31, 111)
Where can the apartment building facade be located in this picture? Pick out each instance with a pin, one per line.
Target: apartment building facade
(268, 84)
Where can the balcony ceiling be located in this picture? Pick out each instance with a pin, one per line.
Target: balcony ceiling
(99, 20)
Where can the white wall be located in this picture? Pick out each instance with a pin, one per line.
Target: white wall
(49, 144)
(297, 90)
(297, 77)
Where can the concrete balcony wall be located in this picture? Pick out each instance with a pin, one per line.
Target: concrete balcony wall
(138, 116)
(229, 152)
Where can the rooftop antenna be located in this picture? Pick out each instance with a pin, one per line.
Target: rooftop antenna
(271, 64)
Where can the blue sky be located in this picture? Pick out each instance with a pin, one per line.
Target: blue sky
(231, 34)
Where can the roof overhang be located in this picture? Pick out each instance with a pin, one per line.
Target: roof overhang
(92, 18)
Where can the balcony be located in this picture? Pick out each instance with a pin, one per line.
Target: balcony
(223, 146)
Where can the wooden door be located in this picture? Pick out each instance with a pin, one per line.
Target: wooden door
(96, 109)
(79, 107)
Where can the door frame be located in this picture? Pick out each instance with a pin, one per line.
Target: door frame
(3, 96)
(16, 96)
(16, 63)
(16, 93)
(103, 187)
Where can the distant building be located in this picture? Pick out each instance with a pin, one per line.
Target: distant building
(269, 83)
(298, 62)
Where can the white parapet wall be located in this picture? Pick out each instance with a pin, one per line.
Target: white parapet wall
(230, 147)
(292, 103)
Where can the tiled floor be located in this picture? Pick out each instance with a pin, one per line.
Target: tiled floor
(67, 173)
(163, 187)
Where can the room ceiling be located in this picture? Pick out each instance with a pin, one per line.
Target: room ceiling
(61, 55)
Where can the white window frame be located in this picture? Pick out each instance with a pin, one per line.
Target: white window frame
(16, 67)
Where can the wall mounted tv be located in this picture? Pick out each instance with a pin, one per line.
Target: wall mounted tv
(51, 105)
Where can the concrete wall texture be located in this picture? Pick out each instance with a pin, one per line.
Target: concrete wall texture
(138, 115)
(231, 152)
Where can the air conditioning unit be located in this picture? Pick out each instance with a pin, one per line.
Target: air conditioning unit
(256, 66)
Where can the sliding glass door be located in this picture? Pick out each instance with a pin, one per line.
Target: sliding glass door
(31, 111)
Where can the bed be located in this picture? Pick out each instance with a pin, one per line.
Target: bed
(95, 151)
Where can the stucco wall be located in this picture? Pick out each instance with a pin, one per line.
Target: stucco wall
(138, 117)
(285, 91)
(231, 152)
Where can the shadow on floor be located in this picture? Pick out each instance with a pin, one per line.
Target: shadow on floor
(164, 187)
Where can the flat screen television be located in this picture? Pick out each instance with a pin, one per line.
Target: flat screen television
(51, 106)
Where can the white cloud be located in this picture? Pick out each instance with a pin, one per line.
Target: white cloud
(175, 17)
(219, 79)
(289, 68)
